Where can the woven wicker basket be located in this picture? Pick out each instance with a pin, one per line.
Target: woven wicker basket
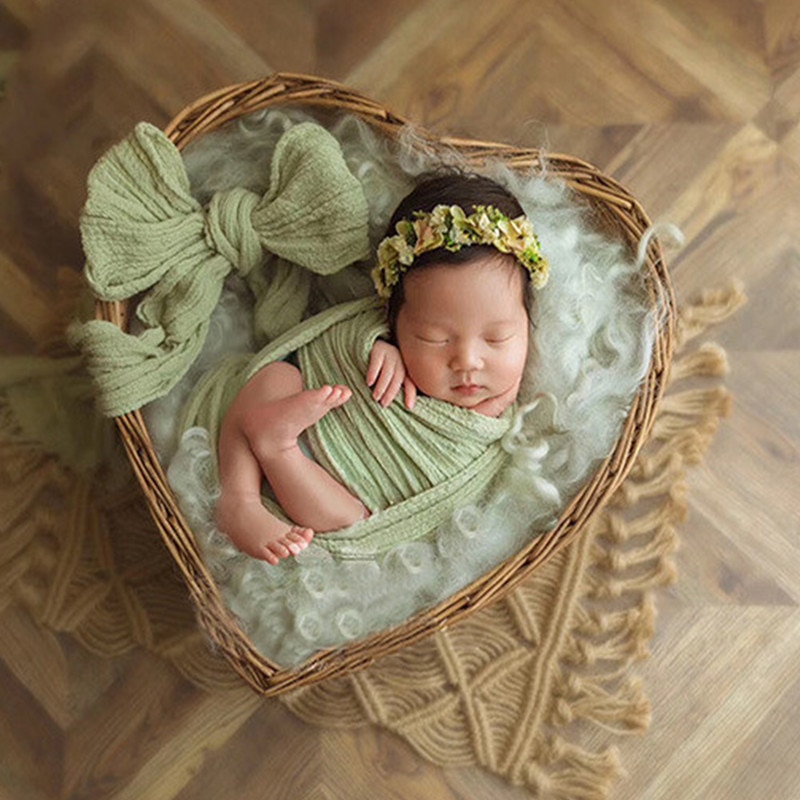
(613, 206)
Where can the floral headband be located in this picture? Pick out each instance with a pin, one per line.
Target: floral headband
(450, 228)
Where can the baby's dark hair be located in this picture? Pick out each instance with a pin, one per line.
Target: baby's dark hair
(463, 189)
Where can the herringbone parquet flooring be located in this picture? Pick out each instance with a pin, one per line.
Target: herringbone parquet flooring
(693, 104)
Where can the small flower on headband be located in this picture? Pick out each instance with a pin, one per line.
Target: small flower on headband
(449, 228)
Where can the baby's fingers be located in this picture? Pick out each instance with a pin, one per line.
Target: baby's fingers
(387, 386)
(382, 382)
(410, 392)
(376, 361)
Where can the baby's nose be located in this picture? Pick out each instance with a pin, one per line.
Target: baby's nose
(466, 357)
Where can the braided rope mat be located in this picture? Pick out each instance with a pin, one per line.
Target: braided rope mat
(503, 689)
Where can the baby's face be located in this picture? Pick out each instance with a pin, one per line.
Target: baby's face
(463, 330)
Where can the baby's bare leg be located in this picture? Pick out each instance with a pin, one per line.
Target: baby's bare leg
(240, 513)
(307, 493)
(258, 440)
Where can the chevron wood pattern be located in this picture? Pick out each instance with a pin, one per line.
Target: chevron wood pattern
(693, 104)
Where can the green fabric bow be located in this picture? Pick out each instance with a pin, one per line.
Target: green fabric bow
(144, 232)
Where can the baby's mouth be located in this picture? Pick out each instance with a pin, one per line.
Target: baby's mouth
(467, 389)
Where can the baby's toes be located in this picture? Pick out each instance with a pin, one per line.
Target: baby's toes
(269, 556)
(306, 534)
(298, 539)
(334, 396)
(278, 549)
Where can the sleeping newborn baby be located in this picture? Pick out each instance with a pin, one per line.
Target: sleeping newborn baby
(455, 275)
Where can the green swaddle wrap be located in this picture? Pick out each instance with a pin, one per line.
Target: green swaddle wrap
(143, 231)
(412, 469)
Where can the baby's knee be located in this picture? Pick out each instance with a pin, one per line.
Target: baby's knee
(272, 382)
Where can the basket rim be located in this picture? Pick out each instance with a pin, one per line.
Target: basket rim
(210, 112)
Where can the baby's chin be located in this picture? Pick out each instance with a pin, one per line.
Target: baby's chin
(468, 402)
(481, 401)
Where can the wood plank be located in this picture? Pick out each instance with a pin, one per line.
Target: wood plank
(755, 667)
(31, 743)
(752, 500)
(283, 35)
(150, 748)
(38, 662)
(347, 29)
(782, 37)
(272, 752)
(23, 301)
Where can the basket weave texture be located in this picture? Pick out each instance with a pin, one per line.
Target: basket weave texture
(613, 206)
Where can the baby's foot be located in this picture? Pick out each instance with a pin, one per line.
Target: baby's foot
(273, 428)
(257, 532)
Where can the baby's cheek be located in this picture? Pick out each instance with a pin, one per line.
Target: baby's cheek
(518, 361)
(424, 371)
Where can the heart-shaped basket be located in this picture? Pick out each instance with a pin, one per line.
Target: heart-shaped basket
(612, 205)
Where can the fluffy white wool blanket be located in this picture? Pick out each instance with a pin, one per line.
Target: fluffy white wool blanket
(593, 334)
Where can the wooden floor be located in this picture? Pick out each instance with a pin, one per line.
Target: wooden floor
(695, 105)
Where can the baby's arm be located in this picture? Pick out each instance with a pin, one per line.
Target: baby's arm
(387, 372)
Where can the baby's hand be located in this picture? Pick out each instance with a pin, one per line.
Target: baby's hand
(388, 373)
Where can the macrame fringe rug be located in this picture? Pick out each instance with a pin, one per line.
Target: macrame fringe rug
(511, 688)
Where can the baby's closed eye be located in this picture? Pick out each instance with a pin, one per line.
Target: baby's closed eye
(435, 340)
(500, 338)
